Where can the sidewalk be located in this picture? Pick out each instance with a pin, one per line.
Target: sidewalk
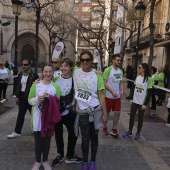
(151, 152)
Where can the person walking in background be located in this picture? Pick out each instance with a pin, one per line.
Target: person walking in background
(44, 97)
(142, 93)
(65, 82)
(161, 77)
(168, 118)
(113, 77)
(155, 79)
(90, 107)
(4, 79)
(56, 65)
(166, 80)
(129, 75)
(25, 80)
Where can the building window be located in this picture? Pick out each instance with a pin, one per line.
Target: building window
(86, 1)
(75, 8)
(114, 13)
(86, 9)
(86, 18)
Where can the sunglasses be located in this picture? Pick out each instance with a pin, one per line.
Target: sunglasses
(24, 64)
(139, 67)
(1, 64)
(83, 60)
(54, 62)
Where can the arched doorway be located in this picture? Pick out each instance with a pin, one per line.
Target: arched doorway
(27, 52)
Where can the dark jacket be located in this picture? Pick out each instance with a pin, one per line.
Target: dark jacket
(31, 78)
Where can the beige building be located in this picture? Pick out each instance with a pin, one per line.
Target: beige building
(161, 37)
(26, 35)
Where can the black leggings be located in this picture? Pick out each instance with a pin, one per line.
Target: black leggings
(134, 108)
(42, 146)
(88, 133)
(3, 88)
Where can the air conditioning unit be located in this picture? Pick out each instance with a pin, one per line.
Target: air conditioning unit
(167, 27)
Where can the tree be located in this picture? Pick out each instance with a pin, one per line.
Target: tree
(39, 6)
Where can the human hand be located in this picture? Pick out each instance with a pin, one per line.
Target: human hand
(131, 102)
(105, 118)
(17, 101)
(114, 94)
(143, 107)
(46, 95)
(36, 81)
(41, 98)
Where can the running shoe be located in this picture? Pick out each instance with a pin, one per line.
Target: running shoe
(105, 132)
(57, 160)
(127, 134)
(85, 166)
(137, 136)
(92, 165)
(73, 159)
(114, 132)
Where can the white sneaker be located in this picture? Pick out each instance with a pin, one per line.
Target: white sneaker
(36, 166)
(168, 124)
(14, 135)
(46, 166)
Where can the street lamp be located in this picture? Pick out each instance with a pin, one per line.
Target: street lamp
(16, 6)
(140, 12)
(110, 41)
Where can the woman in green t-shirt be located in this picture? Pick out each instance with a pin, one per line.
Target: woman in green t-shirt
(161, 77)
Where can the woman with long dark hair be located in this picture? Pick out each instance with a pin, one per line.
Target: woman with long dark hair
(142, 93)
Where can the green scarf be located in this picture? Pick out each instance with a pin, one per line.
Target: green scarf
(26, 73)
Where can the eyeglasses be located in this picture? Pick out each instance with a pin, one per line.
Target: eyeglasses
(24, 64)
(86, 59)
(54, 62)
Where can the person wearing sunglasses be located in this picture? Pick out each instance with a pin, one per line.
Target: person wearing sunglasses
(56, 65)
(141, 97)
(25, 80)
(90, 107)
(4, 79)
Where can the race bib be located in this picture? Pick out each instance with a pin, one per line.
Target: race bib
(83, 95)
(139, 91)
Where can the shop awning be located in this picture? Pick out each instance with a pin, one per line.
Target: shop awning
(162, 44)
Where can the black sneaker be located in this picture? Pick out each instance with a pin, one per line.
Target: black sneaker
(73, 159)
(57, 160)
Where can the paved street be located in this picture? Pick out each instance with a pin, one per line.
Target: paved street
(152, 151)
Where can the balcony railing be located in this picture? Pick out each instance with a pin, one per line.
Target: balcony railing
(145, 34)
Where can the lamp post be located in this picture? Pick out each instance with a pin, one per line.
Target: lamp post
(140, 12)
(110, 41)
(16, 6)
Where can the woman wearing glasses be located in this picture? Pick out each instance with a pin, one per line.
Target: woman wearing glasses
(142, 93)
(56, 65)
(90, 107)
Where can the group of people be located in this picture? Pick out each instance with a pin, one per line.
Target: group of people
(76, 97)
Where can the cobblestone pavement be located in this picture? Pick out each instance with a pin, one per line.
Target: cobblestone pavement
(151, 152)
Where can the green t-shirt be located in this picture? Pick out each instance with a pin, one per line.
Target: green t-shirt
(161, 77)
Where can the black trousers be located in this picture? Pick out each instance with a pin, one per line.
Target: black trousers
(23, 107)
(153, 105)
(3, 88)
(160, 96)
(89, 133)
(42, 146)
(168, 118)
(67, 120)
(134, 108)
